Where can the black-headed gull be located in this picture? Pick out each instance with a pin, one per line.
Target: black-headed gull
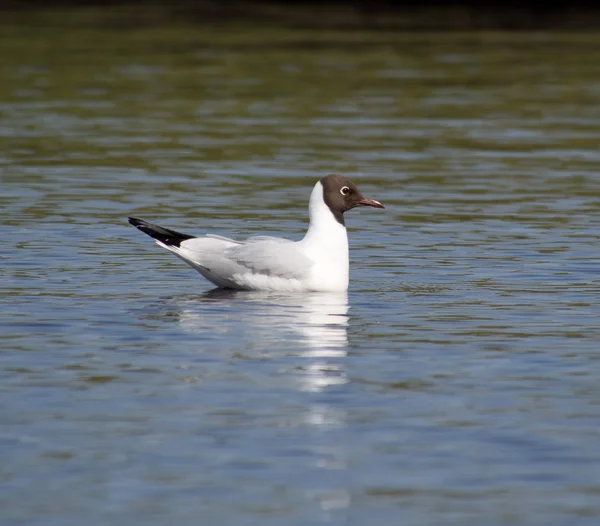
(318, 262)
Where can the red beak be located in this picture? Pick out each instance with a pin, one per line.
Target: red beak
(370, 202)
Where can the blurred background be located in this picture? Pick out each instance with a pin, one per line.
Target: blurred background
(458, 380)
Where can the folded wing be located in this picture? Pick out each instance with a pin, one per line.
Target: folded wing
(272, 257)
(256, 263)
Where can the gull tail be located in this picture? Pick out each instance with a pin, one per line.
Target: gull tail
(167, 237)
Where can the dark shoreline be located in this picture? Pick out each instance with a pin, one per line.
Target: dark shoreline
(407, 16)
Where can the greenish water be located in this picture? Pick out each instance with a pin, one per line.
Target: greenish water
(457, 382)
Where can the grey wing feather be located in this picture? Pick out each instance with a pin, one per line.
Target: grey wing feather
(271, 256)
(223, 238)
(256, 239)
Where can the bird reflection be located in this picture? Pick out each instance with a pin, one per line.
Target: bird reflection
(304, 337)
(312, 326)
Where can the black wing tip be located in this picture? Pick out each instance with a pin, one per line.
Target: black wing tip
(164, 235)
(135, 221)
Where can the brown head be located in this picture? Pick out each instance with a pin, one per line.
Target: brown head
(341, 194)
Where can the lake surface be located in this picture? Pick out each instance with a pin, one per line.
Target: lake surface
(458, 381)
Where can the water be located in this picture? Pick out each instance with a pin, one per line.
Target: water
(456, 383)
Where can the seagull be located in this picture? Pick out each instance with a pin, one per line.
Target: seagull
(319, 262)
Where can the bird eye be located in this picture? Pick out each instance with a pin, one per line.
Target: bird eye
(345, 190)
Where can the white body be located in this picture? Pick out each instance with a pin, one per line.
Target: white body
(319, 262)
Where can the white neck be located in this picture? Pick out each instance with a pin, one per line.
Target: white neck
(322, 221)
(326, 240)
